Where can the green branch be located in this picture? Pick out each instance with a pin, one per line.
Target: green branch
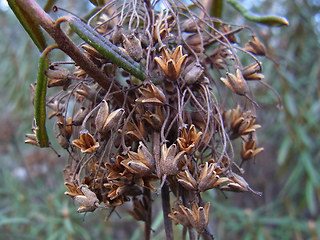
(267, 20)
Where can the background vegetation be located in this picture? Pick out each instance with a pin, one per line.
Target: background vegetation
(32, 203)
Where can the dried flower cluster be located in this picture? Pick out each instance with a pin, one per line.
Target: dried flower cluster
(175, 129)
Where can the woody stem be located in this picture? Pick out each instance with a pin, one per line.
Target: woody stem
(165, 197)
(147, 226)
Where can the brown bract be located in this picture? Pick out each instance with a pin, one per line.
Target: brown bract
(171, 62)
(86, 143)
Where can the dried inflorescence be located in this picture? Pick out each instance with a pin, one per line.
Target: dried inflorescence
(170, 129)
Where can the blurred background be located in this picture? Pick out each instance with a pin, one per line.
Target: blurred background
(33, 205)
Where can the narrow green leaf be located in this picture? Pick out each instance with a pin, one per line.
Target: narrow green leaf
(284, 150)
(311, 198)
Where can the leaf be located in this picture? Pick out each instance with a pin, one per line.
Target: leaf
(284, 150)
(311, 198)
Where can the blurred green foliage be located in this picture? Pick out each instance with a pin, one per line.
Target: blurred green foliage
(32, 203)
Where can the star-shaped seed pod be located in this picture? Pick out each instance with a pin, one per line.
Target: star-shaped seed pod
(249, 150)
(171, 62)
(155, 119)
(58, 76)
(106, 121)
(187, 181)
(255, 46)
(189, 140)
(152, 95)
(86, 143)
(242, 123)
(238, 184)
(198, 216)
(252, 72)
(136, 132)
(209, 178)
(141, 163)
(178, 215)
(169, 160)
(236, 83)
(84, 196)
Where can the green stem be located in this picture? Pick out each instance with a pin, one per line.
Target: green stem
(32, 28)
(268, 20)
(40, 101)
(106, 48)
(66, 45)
(216, 11)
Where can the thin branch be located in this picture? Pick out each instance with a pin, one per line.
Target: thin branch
(66, 45)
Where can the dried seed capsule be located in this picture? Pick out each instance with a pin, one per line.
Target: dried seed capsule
(102, 116)
(132, 45)
(193, 73)
(113, 119)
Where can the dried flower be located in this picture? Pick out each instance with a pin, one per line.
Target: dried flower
(249, 150)
(154, 119)
(187, 180)
(255, 46)
(209, 178)
(188, 141)
(105, 121)
(136, 132)
(238, 184)
(151, 95)
(170, 157)
(179, 216)
(86, 143)
(192, 73)
(226, 29)
(141, 163)
(198, 216)
(132, 46)
(236, 83)
(171, 62)
(32, 139)
(252, 72)
(84, 196)
(242, 123)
